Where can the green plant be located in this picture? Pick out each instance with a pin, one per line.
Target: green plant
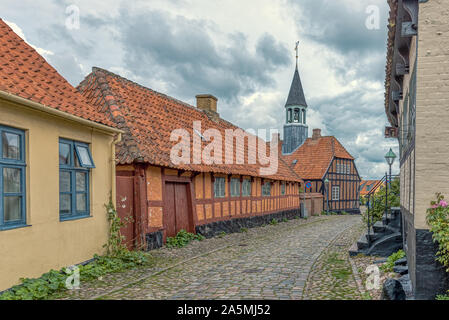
(182, 239)
(244, 230)
(115, 245)
(118, 258)
(367, 296)
(443, 296)
(438, 220)
(389, 265)
(285, 220)
(273, 222)
(377, 202)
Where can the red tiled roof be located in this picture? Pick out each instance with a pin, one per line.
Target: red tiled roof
(148, 118)
(369, 185)
(315, 156)
(25, 73)
(390, 53)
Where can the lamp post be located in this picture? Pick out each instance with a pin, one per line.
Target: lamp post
(389, 157)
(326, 184)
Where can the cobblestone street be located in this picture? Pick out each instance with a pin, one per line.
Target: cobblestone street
(290, 260)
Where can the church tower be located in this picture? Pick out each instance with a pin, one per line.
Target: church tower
(296, 130)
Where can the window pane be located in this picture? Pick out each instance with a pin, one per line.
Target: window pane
(12, 209)
(11, 146)
(84, 156)
(65, 203)
(11, 180)
(64, 181)
(80, 181)
(64, 153)
(81, 202)
(76, 161)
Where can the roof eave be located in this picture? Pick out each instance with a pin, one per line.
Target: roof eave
(17, 100)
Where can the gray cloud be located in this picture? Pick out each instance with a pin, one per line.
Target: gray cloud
(190, 55)
(341, 28)
(182, 52)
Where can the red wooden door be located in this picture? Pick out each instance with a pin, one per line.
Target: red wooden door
(125, 208)
(177, 215)
(182, 208)
(169, 210)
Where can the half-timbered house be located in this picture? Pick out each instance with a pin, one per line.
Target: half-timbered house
(327, 168)
(322, 162)
(165, 197)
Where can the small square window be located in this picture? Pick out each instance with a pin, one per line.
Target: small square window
(246, 188)
(235, 187)
(219, 187)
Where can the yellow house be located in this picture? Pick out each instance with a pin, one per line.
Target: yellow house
(57, 167)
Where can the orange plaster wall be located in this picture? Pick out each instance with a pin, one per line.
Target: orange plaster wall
(154, 183)
(171, 172)
(208, 209)
(199, 192)
(200, 212)
(208, 186)
(155, 217)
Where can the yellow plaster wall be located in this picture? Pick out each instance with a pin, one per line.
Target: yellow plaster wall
(48, 243)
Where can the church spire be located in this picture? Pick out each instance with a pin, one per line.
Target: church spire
(296, 130)
(296, 95)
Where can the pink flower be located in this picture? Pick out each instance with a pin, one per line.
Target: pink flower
(443, 204)
(434, 206)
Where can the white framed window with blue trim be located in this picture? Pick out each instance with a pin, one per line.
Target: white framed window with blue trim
(75, 164)
(12, 178)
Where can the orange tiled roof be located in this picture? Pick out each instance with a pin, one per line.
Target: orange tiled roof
(315, 156)
(368, 185)
(25, 73)
(148, 117)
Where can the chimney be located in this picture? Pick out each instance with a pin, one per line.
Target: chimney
(208, 103)
(316, 134)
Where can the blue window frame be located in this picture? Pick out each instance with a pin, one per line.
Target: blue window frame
(12, 178)
(75, 163)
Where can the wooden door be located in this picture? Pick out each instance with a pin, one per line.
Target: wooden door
(169, 210)
(177, 213)
(125, 208)
(182, 208)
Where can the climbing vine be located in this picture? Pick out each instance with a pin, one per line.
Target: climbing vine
(438, 220)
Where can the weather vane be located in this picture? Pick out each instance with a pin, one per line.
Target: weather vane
(297, 49)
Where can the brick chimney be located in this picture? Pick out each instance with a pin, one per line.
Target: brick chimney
(208, 103)
(316, 134)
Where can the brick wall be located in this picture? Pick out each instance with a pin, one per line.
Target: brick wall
(432, 133)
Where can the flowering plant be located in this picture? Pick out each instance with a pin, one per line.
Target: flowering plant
(438, 220)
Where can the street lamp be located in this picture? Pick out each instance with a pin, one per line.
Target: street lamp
(326, 187)
(389, 157)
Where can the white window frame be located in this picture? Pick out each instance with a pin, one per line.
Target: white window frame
(220, 187)
(335, 193)
(235, 187)
(246, 188)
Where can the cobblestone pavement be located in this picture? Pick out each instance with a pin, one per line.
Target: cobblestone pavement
(271, 262)
(332, 276)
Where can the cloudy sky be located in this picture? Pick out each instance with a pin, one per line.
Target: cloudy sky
(240, 51)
